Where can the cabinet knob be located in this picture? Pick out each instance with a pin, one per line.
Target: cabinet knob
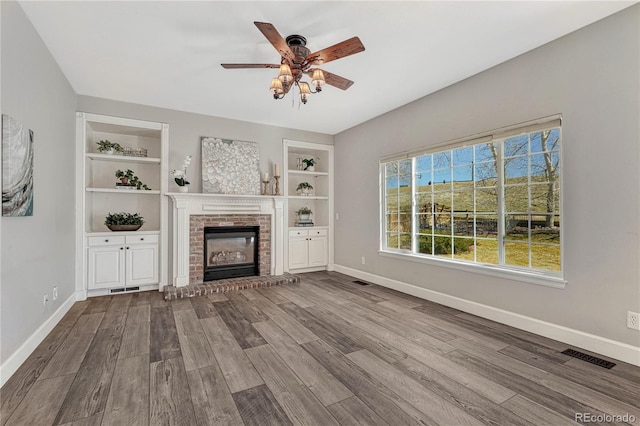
(121, 248)
(142, 239)
(127, 248)
(106, 241)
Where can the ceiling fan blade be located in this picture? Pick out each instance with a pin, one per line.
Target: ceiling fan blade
(337, 51)
(274, 37)
(334, 79)
(237, 66)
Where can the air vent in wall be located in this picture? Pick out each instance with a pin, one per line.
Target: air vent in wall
(589, 358)
(360, 282)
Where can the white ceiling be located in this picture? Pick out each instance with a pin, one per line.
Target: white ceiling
(168, 54)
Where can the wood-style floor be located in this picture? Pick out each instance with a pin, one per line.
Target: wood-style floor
(321, 352)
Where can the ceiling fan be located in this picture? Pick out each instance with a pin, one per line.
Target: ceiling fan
(297, 60)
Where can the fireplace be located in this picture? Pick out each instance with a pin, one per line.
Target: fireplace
(194, 212)
(231, 251)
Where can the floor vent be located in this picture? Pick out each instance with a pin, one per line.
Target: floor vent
(592, 359)
(360, 282)
(122, 290)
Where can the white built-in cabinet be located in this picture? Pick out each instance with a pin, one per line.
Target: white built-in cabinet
(309, 248)
(122, 261)
(108, 261)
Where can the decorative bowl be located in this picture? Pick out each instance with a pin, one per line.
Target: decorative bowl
(124, 227)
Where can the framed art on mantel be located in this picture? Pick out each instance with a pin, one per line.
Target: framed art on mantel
(17, 168)
(230, 167)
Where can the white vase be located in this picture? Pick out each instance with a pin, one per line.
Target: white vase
(183, 188)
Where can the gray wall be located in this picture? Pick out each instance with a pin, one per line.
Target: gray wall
(37, 251)
(591, 78)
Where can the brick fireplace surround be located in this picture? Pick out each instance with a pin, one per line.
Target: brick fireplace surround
(197, 223)
(192, 212)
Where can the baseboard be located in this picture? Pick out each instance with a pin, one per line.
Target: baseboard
(11, 365)
(601, 345)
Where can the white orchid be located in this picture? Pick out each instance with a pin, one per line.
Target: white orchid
(180, 176)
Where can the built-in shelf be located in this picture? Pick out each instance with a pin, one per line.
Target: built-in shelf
(117, 233)
(114, 260)
(308, 197)
(296, 228)
(124, 191)
(122, 158)
(307, 173)
(308, 248)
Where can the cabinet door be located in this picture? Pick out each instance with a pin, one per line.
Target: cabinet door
(142, 264)
(317, 251)
(106, 267)
(298, 253)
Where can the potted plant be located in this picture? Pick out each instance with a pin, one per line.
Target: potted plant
(309, 164)
(304, 213)
(107, 147)
(180, 176)
(130, 180)
(124, 221)
(303, 188)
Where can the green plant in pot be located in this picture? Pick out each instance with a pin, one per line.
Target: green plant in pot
(304, 188)
(128, 178)
(309, 164)
(124, 221)
(108, 147)
(304, 213)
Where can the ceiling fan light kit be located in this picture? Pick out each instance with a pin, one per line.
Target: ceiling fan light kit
(297, 60)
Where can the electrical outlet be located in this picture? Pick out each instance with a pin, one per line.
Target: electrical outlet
(363, 260)
(337, 216)
(633, 320)
(45, 299)
(54, 293)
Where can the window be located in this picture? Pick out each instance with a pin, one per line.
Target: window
(489, 201)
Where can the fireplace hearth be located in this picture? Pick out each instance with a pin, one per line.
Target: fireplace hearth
(231, 252)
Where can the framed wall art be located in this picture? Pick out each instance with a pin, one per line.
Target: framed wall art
(17, 168)
(230, 167)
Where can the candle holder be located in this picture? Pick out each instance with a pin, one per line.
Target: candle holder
(265, 183)
(277, 188)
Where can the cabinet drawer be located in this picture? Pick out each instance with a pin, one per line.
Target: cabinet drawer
(317, 232)
(105, 241)
(299, 233)
(145, 239)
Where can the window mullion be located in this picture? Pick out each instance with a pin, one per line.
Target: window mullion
(399, 210)
(473, 180)
(414, 230)
(529, 217)
(500, 206)
(452, 207)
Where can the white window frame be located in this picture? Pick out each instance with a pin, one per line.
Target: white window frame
(523, 274)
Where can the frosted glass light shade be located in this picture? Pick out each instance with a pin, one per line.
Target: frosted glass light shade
(285, 73)
(276, 87)
(318, 78)
(305, 91)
